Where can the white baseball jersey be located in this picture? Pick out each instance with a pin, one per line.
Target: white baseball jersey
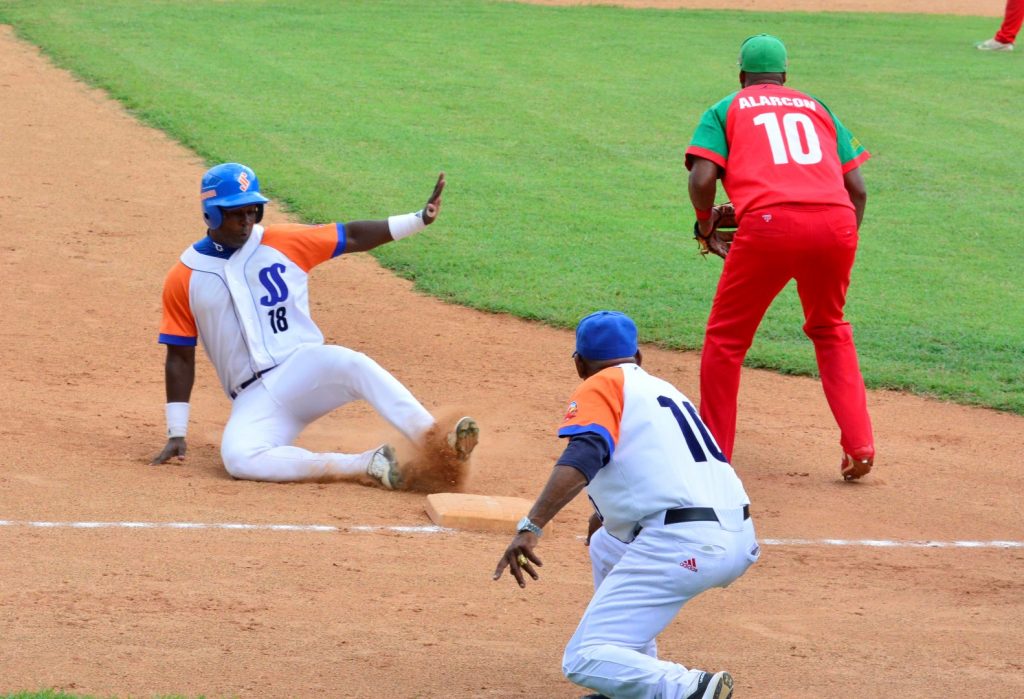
(250, 306)
(662, 455)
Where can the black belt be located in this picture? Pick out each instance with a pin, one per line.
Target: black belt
(250, 381)
(696, 514)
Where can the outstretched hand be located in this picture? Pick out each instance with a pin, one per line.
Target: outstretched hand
(519, 556)
(175, 447)
(433, 205)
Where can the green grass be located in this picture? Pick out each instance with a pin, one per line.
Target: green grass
(562, 132)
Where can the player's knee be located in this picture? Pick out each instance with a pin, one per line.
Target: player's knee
(726, 345)
(831, 333)
(575, 668)
(570, 668)
(242, 463)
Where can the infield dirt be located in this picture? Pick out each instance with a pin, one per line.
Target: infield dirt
(93, 210)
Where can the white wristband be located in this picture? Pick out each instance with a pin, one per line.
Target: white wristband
(177, 419)
(405, 225)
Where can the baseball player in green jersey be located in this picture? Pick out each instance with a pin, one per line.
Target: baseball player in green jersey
(791, 170)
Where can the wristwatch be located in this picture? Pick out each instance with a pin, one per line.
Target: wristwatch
(525, 525)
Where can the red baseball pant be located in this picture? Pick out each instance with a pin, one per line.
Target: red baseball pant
(1012, 20)
(816, 246)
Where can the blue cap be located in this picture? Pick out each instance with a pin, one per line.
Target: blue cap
(606, 335)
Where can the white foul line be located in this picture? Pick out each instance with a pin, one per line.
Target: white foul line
(432, 529)
(428, 529)
(887, 543)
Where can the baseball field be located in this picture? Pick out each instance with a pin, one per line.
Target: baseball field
(561, 130)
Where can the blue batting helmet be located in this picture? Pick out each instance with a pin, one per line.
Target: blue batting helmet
(228, 186)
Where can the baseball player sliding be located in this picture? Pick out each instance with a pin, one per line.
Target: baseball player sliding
(676, 519)
(243, 290)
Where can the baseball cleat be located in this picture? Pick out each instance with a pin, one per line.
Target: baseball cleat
(853, 469)
(716, 686)
(993, 45)
(384, 467)
(463, 437)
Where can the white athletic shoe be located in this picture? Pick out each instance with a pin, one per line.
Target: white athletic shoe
(716, 686)
(463, 437)
(384, 467)
(993, 45)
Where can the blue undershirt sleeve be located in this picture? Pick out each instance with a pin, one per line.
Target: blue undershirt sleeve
(587, 452)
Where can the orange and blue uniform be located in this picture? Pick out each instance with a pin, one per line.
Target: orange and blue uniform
(269, 275)
(675, 523)
(250, 309)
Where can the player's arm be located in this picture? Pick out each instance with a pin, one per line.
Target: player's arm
(703, 185)
(586, 454)
(706, 158)
(851, 154)
(564, 484)
(179, 377)
(855, 187)
(366, 235)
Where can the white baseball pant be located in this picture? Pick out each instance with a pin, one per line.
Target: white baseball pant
(611, 650)
(605, 552)
(269, 415)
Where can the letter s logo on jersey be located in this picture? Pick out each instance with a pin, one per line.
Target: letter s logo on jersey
(270, 278)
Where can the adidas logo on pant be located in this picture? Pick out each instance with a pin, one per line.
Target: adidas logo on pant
(690, 564)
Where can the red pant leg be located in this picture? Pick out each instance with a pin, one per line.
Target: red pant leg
(756, 270)
(823, 276)
(1012, 20)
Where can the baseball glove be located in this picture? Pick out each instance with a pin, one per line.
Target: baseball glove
(723, 228)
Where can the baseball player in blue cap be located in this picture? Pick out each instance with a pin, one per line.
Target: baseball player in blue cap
(243, 290)
(674, 517)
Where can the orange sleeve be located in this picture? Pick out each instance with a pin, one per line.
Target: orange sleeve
(306, 246)
(596, 406)
(178, 325)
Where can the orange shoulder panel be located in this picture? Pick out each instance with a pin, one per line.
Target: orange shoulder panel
(306, 246)
(177, 320)
(598, 401)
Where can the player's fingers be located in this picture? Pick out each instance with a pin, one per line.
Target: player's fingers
(518, 573)
(502, 564)
(438, 188)
(515, 566)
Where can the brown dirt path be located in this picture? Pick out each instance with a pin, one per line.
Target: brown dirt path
(95, 207)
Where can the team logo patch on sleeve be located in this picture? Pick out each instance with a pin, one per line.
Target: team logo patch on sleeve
(571, 412)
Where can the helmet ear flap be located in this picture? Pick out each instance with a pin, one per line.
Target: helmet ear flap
(214, 217)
